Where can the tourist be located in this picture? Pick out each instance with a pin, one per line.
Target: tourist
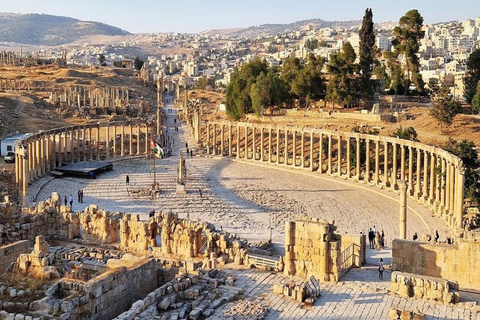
(79, 199)
(186, 145)
(382, 240)
(70, 199)
(127, 180)
(187, 151)
(374, 235)
(191, 152)
(437, 236)
(370, 238)
(415, 236)
(380, 269)
(65, 200)
(81, 195)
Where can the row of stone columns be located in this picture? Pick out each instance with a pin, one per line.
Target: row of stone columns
(45, 151)
(431, 175)
(81, 96)
(14, 85)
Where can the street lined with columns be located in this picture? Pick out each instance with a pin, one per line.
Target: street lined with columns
(432, 176)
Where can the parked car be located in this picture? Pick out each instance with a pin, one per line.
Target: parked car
(9, 157)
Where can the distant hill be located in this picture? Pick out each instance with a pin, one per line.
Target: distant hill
(273, 29)
(43, 29)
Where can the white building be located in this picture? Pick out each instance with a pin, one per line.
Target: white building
(8, 144)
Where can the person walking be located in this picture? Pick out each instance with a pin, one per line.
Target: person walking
(370, 238)
(81, 195)
(65, 201)
(70, 199)
(127, 180)
(382, 239)
(415, 237)
(381, 268)
(437, 236)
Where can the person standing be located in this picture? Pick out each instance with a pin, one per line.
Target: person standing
(127, 180)
(380, 269)
(382, 239)
(70, 199)
(79, 199)
(437, 236)
(374, 235)
(370, 238)
(65, 201)
(81, 195)
(415, 237)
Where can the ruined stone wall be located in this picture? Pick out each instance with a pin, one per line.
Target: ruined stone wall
(311, 248)
(458, 262)
(110, 294)
(10, 252)
(99, 226)
(409, 285)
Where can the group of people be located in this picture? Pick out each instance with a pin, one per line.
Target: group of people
(376, 239)
(80, 196)
(68, 201)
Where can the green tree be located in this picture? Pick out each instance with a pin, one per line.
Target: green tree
(238, 100)
(444, 108)
(367, 43)
(204, 82)
(405, 133)
(102, 60)
(476, 100)
(343, 87)
(260, 93)
(311, 44)
(472, 77)
(407, 43)
(117, 64)
(137, 63)
(466, 151)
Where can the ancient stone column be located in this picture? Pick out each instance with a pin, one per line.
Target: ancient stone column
(452, 188)
(320, 153)
(42, 156)
(329, 169)
(207, 141)
(72, 147)
(385, 163)
(277, 150)
(349, 162)
(394, 168)
(438, 181)
(357, 171)
(270, 148)
(425, 175)
(431, 195)
(214, 139)
(84, 143)
(286, 147)
(77, 138)
(138, 138)
(237, 148)
(261, 144)
(402, 162)
(403, 211)
(222, 139)
(254, 143)
(459, 195)
(114, 153)
(302, 153)
(443, 184)
(107, 141)
(17, 169)
(130, 139)
(25, 180)
(367, 160)
(310, 165)
(410, 170)
(418, 188)
(147, 138)
(339, 156)
(230, 140)
(294, 141)
(377, 162)
(447, 186)
(122, 141)
(97, 141)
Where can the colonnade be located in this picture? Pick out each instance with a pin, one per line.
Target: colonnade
(45, 151)
(432, 176)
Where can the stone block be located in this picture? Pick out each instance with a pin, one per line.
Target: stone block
(394, 314)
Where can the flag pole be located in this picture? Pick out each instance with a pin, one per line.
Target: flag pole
(154, 172)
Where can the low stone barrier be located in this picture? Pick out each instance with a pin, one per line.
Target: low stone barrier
(409, 285)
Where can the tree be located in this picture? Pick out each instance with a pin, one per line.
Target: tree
(311, 44)
(466, 151)
(407, 43)
(405, 133)
(238, 100)
(101, 60)
(476, 100)
(204, 82)
(444, 108)
(260, 93)
(343, 86)
(472, 77)
(137, 63)
(367, 43)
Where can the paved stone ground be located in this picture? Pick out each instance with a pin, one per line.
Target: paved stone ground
(248, 199)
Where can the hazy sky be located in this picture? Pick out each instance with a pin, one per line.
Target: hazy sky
(139, 16)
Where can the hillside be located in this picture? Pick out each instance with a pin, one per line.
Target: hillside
(43, 29)
(273, 29)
